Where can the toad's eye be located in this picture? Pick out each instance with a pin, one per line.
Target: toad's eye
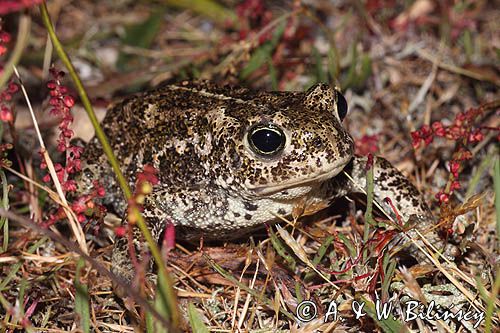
(341, 105)
(266, 140)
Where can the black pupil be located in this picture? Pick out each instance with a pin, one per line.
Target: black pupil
(267, 141)
(341, 105)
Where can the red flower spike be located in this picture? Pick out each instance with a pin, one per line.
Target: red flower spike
(438, 128)
(394, 210)
(6, 115)
(70, 186)
(149, 174)
(101, 192)
(79, 206)
(69, 101)
(120, 231)
(169, 237)
(455, 185)
(13, 87)
(366, 145)
(442, 197)
(463, 130)
(454, 167)
(369, 162)
(84, 206)
(5, 37)
(415, 138)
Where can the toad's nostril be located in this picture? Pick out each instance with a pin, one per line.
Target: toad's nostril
(317, 142)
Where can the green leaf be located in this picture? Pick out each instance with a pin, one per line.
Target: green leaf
(82, 298)
(150, 323)
(281, 250)
(15, 267)
(349, 244)
(321, 75)
(369, 208)
(319, 255)
(483, 166)
(263, 53)
(496, 182)
(333, 63)
(389, 267)
(490, 299)
(278, 32)
(351, 71)
(365, 72)
(161, 304)
(273, 74)
(195, 320)
(139, 35)
(4, 223)
(359, 70)
(468, 45)
(259, 58)
(207, 8)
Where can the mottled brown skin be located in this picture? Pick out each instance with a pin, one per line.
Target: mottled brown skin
(213, 183)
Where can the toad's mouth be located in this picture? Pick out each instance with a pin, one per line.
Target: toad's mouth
(269, 189)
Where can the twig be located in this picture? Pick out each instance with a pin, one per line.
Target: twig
(455, 69)
(423, 89)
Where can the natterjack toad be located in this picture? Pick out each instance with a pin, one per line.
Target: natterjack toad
(230, 159)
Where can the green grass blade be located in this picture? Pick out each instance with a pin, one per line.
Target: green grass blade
(15, 268)
(263, 53)
(319, 255)
(140, 35)
(389, 267)
(273, 74)
(259, 58)
(281, 250)
(82, 298)
(195, 320)
(161, 304)
(490, 301)
(321, 74)
(369, 208)
(208, 8)
(4, 223)
(496, 181)
(485, 163)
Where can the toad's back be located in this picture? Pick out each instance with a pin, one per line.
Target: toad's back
(197, 136)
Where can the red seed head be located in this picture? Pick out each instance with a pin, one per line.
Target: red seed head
(120, 231)
(69, 101)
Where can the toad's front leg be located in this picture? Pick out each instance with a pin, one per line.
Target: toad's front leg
(389, 183)
(194, 212)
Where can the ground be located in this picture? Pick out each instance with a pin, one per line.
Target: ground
(421, 79)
